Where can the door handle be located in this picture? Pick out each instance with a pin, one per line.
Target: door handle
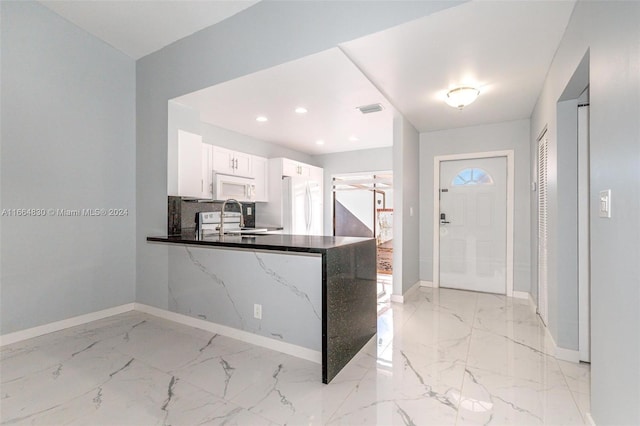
(443, 219)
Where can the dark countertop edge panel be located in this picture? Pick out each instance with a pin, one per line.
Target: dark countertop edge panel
(274, 242)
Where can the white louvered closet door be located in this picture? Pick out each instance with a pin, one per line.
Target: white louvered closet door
(542, 227)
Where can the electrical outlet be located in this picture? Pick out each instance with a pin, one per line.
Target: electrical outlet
(257, 311)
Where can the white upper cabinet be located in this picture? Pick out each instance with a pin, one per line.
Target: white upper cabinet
(316, 173)
(286, 167)
(260, 167)
(243, 164)
(192, 166)
(223, 161)
(198, 163)
(230, 162)
(295, 168)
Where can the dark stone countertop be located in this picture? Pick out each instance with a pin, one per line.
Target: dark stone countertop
(275, 242)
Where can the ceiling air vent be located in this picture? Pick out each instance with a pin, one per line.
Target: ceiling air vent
(368, 109)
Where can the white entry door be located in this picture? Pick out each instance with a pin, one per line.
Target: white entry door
(473, 224)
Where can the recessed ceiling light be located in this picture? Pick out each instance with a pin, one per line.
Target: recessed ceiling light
(301, 110)
(354, 139)
(319, 142)
(261, 119)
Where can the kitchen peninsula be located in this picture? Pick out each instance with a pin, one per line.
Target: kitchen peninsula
(315, 292)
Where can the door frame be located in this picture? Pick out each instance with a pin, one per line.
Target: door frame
(508, 154)
(584, 235)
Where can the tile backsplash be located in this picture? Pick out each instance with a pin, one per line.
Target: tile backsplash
(182, 214)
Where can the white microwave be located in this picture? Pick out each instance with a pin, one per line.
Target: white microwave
(239, 188)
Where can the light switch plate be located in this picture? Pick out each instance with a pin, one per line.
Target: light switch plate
(604, 209)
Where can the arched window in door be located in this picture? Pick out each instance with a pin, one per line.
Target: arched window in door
(472, 176)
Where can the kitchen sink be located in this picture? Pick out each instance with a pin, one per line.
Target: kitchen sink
(248, 231)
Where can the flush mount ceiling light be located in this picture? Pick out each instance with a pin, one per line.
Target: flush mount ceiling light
(261, 119)
(301, 110)
(460, 97)
(319, 142)
(354, 139)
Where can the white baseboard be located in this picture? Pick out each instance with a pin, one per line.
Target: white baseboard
(570, 355)
(526, 295)
(234, 333)
(590, 419)
(407, 295)
(426, 284)
(520, 294)
(395, 298)
(567, 354)
(245, 336)
(41, 330)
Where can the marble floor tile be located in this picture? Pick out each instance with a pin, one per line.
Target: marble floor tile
(445, 357)
(494, 398)
(584, 404)
(578, 375)
(502, 354)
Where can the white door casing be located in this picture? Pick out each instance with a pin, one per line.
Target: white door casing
(507, 280)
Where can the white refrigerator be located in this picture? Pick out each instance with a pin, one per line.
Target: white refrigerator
(301, 206)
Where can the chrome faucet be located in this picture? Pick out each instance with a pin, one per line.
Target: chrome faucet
(224, 205)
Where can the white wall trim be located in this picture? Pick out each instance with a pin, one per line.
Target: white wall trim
(509, 154)
(245, 336)
(426, 284)
(409, 294)
(589, 419)
(41, 330)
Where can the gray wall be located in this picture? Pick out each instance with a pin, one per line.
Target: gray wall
(406, 214)
(512, 135)
(365, 160)
(610, 33)
(68, 142)
(265, 35)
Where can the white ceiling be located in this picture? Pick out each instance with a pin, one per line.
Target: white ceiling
(327, 84)
(503, 47)
(138, 28)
